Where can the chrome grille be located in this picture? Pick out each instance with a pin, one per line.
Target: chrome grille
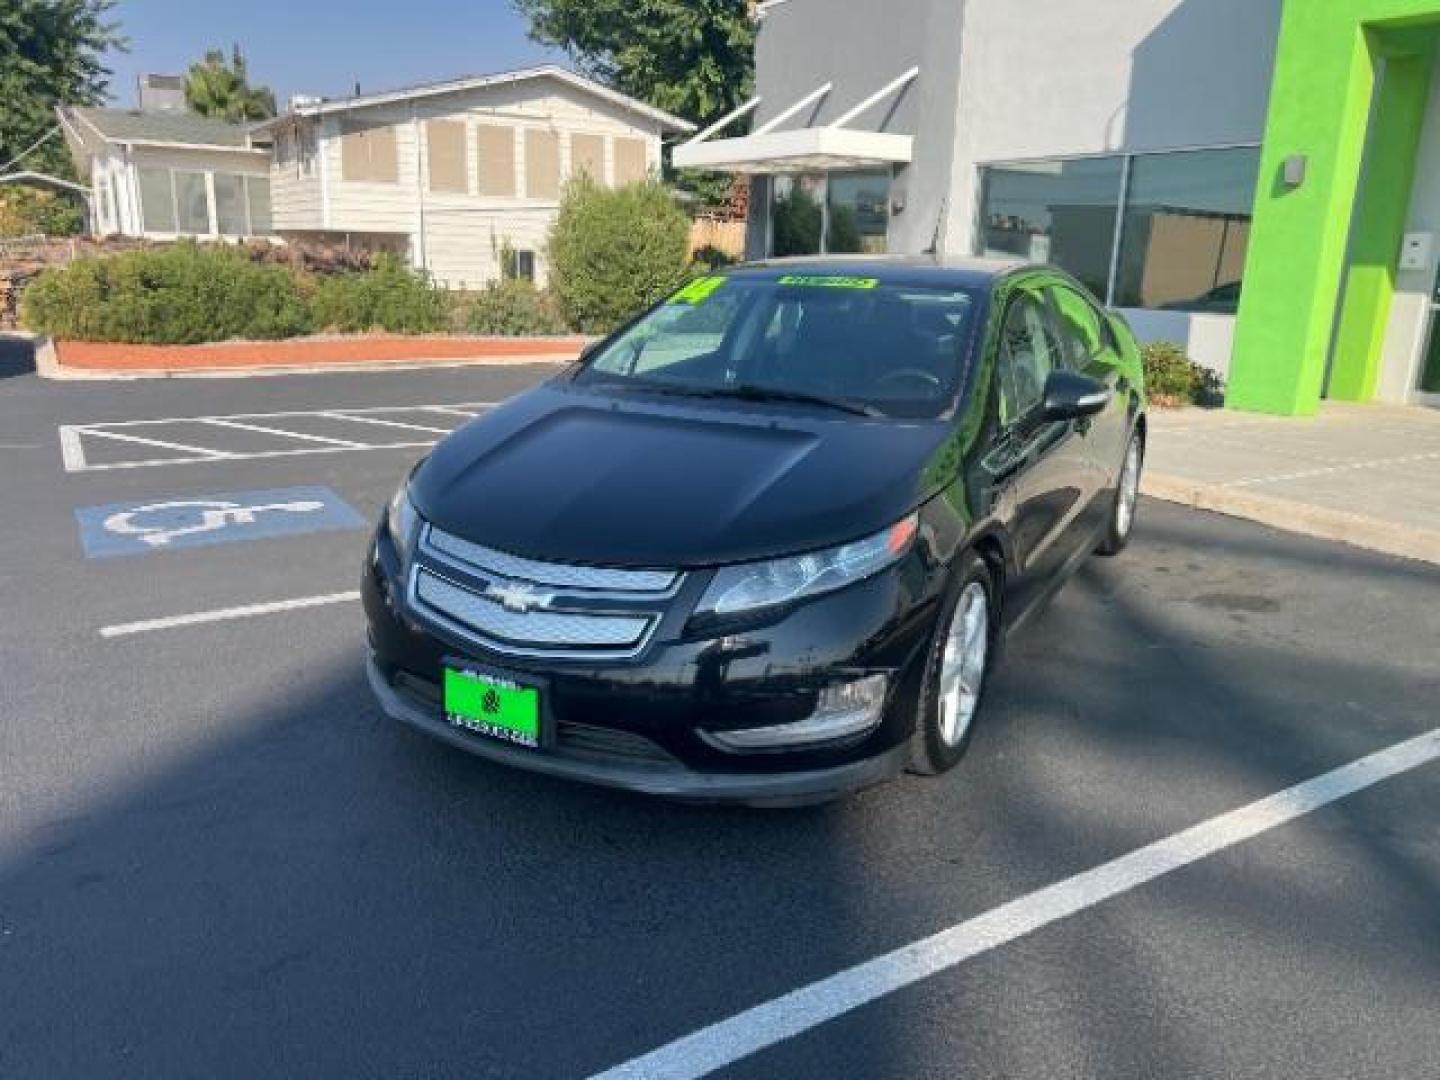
(523, 607)
(532, 629)
(489, 562)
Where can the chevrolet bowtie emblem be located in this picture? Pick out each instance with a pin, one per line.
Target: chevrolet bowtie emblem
(513, 596)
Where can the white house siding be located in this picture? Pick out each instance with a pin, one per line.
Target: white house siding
(458, 237)
(296, 201)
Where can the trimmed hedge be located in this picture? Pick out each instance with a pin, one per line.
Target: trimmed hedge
(514, 308)
(181, 295)
(614, 252)
(189, 293)
(390, 296)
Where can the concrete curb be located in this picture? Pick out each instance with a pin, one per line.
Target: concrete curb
(1318, 521)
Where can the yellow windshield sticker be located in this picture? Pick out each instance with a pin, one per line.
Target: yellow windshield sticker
(829, 281)
(699, 290)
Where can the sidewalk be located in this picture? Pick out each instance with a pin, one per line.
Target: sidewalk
(1367, 475)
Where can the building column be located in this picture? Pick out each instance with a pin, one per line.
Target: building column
(1319, 110)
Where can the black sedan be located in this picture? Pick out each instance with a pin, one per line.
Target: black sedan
(764, 542)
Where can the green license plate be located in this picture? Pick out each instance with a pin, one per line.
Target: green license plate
(493, 706)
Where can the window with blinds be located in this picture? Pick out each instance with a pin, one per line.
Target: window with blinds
(632, 162)
(587, 155)
(542, 164)
(495, 147)
(368, 153)
(445, 140)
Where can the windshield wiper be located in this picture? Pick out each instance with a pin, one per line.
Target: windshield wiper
(751, 392)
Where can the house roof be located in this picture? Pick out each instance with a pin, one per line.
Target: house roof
(135, 128)
(666, 120)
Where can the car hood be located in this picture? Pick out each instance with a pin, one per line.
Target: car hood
(570, 474)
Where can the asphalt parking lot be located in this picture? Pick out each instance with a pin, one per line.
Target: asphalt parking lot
(217, 858)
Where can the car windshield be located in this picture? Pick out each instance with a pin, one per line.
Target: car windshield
(852, 343)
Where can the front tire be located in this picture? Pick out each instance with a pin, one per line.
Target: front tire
(1127, 497)
(957, 670)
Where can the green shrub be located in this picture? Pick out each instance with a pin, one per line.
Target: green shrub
(614, 252)
(180, 295)
(514, 308)
(389, 296)
(1171, 377)
(708, 259)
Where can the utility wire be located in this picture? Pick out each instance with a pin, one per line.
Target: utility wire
(30, 149)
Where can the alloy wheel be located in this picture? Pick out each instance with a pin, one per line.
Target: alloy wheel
(962, 670)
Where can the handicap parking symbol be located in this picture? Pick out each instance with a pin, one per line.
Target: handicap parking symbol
(168, 524)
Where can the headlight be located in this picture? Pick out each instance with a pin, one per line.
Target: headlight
(752, 586)
(402, 520)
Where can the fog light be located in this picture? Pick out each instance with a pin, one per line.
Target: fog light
(843, 711)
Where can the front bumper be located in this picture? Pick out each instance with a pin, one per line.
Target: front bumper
(671, 780)
(646, 722)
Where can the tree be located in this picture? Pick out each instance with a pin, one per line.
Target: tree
(51, 53)
(222, 90)
(694, 58)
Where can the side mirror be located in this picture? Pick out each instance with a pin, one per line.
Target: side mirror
(1071, 396)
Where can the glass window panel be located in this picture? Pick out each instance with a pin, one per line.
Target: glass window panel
(797, 215)
(1060, 212)
(859, 213)
(230, 204)
(1187, 226)
(193, 203)
(257, 191)
(157, 201)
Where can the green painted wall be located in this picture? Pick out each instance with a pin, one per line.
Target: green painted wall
(1325, 81)
(1379, 226)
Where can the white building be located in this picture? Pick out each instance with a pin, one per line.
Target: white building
(452, 174)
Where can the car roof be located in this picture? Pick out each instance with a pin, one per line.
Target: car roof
(958, 271)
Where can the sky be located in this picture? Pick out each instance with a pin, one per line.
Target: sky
(324, 46)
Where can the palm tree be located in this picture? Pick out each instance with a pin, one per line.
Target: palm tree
(223, 91)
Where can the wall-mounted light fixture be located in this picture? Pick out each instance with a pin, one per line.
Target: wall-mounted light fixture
(1293, 171)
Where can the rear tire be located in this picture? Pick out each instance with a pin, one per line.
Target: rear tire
(957, 669)
(1127, 497)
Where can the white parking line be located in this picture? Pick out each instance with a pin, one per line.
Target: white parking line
(248, 611)
(272, 425)
(163, 444)
(235, 425)
(376, 421)
(746, 1033)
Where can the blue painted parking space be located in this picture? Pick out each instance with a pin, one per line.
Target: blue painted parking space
(185, 521)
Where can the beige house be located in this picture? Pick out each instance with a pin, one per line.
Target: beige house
(452, 174)
(161, 172)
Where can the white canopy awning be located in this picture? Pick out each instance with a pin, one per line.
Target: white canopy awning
(812, 149)
(804, 150)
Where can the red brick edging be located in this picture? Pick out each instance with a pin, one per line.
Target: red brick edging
(306, 352)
